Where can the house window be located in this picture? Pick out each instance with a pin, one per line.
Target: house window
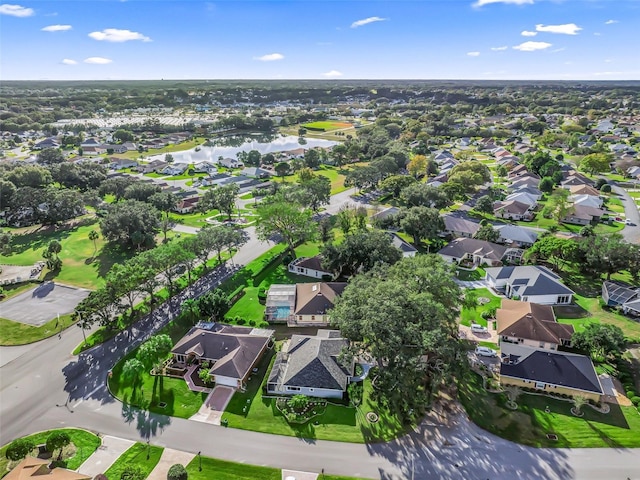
(293, 389)
(541, 344)
(525, 299)
(563, 299)
(540, 385)
(313, 317)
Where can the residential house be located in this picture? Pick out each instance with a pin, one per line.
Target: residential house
(527, 180)
(175, 169)
(586, 200)
(620, 295)
(407, 249)
(38, 468)
(513, 210)
(99, 150)
(531, 283)
(303, 304)
(531, 191)
(459, 226)
(478, 252)
(583, 215)
(584, 190)
(255, 172)
(51, 142)
(230, 163)
(311, 365)
(90, 142)
(114, 148)
(509, 162)
(187, 205)
(516, 236)
(121, 163)
(231, 351)
(531, 324)
(205, 167)
(130, 146)
(530, 338)
(385, 213)
(518, 171)
(523, 197)
(154, 166)
(310, 267)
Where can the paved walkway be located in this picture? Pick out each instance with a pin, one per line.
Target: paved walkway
(192, 386)
(105, 455)
(471, 283)
(169, 457)
(297, 475)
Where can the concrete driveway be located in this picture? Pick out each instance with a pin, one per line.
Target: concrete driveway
(41, 304)
(213, 407)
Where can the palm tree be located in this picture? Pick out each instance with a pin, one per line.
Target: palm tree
(93, 236)
(578, 402)
(132, 370)
(191, 310)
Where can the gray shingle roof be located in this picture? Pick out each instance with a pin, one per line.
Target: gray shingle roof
(316, 298)
(459, 224)
(459, 247)
(563, 369)
(312, 362)
(535, 279)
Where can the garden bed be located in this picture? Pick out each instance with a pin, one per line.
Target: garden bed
(302, 414)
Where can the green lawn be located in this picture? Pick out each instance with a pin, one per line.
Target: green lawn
(213, 468)
(16, 289)
(180, 401)
(16, 333)
(338, 422)
(469, 316)
(530, 424)
(469, 275)
(195, 219)
(84, 444)
(248, 306)
(327, 125)
(334, 174)
(146, 457)
(589, 310)
(79, 266)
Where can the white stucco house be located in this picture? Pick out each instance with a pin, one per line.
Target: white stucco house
(531, 283)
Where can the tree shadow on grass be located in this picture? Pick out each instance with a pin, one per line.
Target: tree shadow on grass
(109, 255)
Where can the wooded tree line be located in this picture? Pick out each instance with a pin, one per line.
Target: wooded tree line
(154, 269)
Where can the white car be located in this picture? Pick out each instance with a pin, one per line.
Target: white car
(628, 222)
(486, 352)
(477, 328)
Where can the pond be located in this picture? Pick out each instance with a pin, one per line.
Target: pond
(228, 147)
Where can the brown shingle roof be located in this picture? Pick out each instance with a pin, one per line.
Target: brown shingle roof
(531, 321)
(316, 298)
(32, 467)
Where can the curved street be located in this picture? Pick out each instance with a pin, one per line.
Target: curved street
(631, 233)
(43, 386)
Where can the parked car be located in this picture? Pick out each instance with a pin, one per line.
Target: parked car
(628, 222)
(477, 328)
(486, 352)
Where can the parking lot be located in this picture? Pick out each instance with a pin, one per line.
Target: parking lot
(43, 303)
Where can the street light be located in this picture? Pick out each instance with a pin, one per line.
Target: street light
(148, 449)
(200, 461)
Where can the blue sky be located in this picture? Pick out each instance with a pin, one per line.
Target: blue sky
(305, 39)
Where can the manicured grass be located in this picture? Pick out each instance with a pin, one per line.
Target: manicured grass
(177, 147)
(327, 125)
(335, 175)
(16, 289)
(339, 422)
(16, 333)
(153, 390)
(469, 275)
(589, 310)
(84, 443)
(143, 456)
(469, 316)
(249, 307)
(195, 219)
(213, 468)
(530, 424)
(79, 266)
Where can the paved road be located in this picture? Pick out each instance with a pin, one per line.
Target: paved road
(631, 233)
(31, 387)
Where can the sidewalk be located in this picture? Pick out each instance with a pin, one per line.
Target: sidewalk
(105, 455)
(169, 457)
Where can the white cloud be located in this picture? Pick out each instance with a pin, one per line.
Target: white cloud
(332, 74)
(473, 54)
(15, 10)
(481, 3)
(56, 28)
(271, 57)
(565, 29)
(68, 61)
(499, 49)
(528, 33)
(98, 60)
(610, 22)
(118, 36)
(532, 46)
(365, 21)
